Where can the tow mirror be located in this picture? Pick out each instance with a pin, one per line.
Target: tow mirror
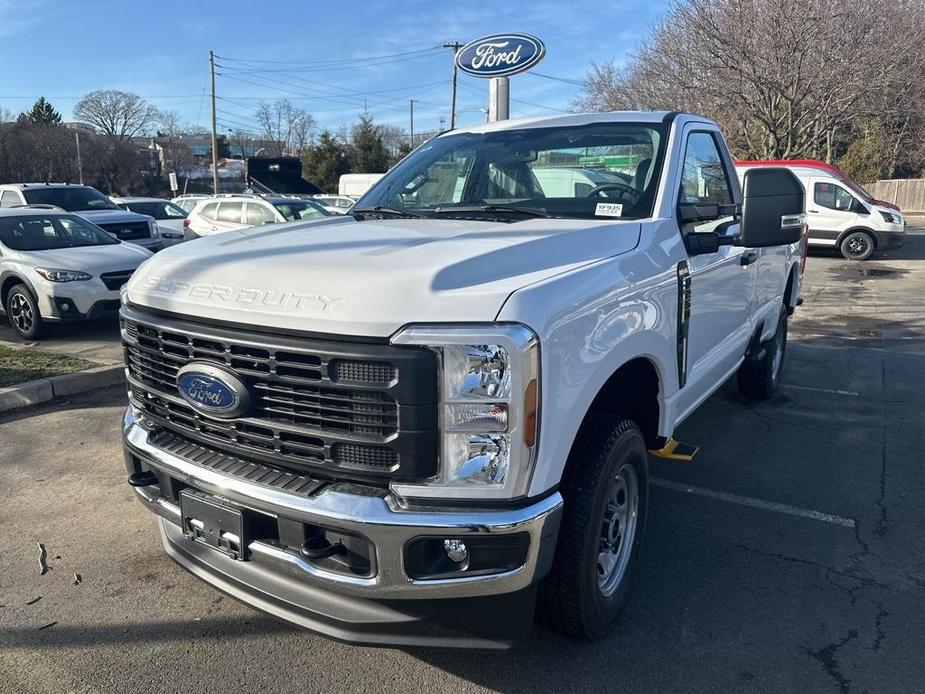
(772, 208)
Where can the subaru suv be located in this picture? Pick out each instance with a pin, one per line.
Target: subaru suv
(90, 204)
(56, 266)
(228, 212)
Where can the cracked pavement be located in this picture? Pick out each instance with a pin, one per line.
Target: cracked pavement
(730, 598)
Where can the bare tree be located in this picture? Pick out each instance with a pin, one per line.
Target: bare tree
(170, 131)
(242, 142)
(6, 115)
(120, 115)
(785, 78)
(288, 128)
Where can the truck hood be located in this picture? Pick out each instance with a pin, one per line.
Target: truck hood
(369, 278)
(112, 216)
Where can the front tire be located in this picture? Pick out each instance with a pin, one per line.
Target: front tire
(759, 378)
(606, 494)
(858, 245)
(22, 310)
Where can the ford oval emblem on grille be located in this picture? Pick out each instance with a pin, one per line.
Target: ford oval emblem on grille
(213, 390)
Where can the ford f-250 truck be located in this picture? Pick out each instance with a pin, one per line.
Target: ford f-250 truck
(408, 424)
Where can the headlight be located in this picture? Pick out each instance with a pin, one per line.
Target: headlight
(63, 275)
(891, 218)
(488, 410)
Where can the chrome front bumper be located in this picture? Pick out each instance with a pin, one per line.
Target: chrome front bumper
(379, 518)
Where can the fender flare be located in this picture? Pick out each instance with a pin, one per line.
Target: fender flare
(5, 276)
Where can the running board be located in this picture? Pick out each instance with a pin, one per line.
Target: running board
(675, 450)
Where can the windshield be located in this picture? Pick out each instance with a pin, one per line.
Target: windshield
(49, 232)
(563, 171)
(71, 198)
(296, 210)
(157, 209)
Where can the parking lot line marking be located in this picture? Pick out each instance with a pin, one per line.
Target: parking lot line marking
(833, 391)
(754, 503)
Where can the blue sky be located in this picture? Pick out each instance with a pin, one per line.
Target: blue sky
(65, 48)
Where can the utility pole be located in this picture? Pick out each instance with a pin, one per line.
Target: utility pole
(412, 122)
(214, 133)
(80, 168)
(455, 45)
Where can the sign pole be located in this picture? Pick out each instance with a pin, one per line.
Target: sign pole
(499, 99)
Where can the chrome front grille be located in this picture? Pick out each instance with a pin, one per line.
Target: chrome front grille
(314, 403)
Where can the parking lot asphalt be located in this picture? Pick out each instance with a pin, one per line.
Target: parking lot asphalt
(96, 340)
(788, 557)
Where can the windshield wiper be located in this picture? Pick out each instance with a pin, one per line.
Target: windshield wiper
(386, 211)
(516, 209)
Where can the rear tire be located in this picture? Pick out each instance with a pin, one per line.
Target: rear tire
(22, 310)
(606, 493)
(858, 245)
(759, 378)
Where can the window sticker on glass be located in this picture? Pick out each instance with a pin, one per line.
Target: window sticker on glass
(608, 209)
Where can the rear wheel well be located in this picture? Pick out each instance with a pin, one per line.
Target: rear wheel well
(632, 392)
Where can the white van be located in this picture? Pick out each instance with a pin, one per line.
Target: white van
(563, 182)
(840, 213)
(355, 185)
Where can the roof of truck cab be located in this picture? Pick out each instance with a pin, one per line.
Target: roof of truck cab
(577, 119)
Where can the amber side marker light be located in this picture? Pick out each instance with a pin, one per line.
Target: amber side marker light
(530, 414)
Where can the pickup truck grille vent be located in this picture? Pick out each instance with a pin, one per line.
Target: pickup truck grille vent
(313, 404)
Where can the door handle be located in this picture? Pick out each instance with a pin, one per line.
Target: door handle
(748, 258)
(814, 211)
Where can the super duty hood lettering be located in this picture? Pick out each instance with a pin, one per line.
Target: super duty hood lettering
(245, 295)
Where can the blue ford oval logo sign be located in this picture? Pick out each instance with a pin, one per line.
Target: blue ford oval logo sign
(213, 390)
(500, 54)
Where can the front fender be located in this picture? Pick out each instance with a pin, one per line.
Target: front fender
(591, 322)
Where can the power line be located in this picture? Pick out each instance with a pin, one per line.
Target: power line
(567, 80)
(332, 61)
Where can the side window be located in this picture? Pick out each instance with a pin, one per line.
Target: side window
(9, 199)
(230, 212)
(258, 214)
(208, 211)
(703, 179)
(833, 197)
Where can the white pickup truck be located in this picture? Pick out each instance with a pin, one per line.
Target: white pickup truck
(410, 424)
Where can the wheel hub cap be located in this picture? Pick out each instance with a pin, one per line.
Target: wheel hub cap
(618, 530)
(857, 246)
(21, 313)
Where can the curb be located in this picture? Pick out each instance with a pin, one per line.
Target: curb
(45, 389)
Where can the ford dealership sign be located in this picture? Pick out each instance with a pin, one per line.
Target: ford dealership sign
(500, 55)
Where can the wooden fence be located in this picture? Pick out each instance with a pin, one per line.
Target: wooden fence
(907, 193)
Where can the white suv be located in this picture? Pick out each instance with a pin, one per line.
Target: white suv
(56, 266)
(228, 212)
(90, 204)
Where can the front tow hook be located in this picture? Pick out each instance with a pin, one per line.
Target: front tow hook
(145, 478)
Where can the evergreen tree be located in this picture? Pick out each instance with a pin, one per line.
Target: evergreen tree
(325, 162)
(368, 155)
(43, 113)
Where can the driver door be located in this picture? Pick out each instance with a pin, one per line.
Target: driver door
(722, 284)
